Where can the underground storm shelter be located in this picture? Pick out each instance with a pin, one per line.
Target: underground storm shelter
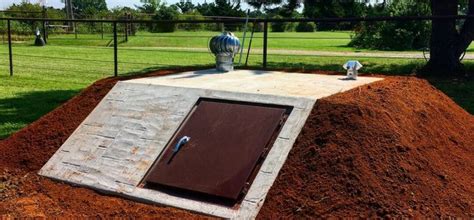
(209, 141)
(204, 141)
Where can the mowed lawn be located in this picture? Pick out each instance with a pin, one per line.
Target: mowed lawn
(336, 41)
(46, 77)
(320, 41)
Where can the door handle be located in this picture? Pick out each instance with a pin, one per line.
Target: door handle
(181, 143)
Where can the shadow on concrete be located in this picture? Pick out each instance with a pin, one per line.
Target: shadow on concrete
(386, 69)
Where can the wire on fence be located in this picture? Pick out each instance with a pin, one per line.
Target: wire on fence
(260, 20)
(120, 29)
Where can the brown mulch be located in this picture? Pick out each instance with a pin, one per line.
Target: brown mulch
(398, 147)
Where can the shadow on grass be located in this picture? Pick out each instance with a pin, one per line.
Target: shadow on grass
(460, 90)
(17, 112)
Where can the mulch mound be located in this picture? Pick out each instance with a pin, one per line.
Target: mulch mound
(398, 147)
(26, 194)
(393, 148)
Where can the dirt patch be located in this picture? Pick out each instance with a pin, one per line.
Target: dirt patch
(397, 147)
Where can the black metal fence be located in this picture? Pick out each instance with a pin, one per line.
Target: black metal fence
(116, 33)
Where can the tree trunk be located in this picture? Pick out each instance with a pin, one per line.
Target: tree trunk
(70, 15)
(444, 41)
(467, 32)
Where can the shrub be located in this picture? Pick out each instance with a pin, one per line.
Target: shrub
(291, 26)
(214, 27)
(165, 13)
(279, 26)
(233, 26)
(258, 27)
(191, 15)
(306, 27)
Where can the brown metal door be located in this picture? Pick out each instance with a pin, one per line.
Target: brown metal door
(226, 140)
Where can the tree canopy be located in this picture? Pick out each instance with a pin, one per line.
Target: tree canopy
(149, 6)
(89, 7)
(395, 35)
(221, 8)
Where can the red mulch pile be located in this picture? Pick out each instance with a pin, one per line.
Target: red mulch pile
(398, 147)
(393, 148)
(25, 194)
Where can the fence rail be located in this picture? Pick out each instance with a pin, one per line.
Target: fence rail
(258, 20)
(220, 20)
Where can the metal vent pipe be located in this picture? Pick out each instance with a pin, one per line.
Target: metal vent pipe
(225, 47)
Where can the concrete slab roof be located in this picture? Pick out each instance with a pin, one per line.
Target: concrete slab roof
(313, 86)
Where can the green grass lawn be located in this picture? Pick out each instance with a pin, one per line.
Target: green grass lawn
(322, 41)
(47, 76)
(319, 41)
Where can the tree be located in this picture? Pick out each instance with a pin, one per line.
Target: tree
(448, 42)
(323, 9)
(258, 4)
(191, 15)
(87, 8)
(149, 6)
(185, 6)
(165, 13)
(396, 35)
(149, 9)
(276, 8)
(221, 8)
(334, 9)
(26, 10)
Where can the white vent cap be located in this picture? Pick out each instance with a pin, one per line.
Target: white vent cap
(352, 65)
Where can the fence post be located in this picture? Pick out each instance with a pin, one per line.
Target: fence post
(127, 16)
(126, 32)
(10, 46)
(45, 34)
(75, 30)
(115, 50)
(265, 36)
